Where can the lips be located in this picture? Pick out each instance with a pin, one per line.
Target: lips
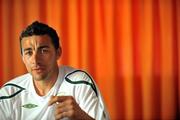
(38, 69)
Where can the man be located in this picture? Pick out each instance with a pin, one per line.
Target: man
(48, 91)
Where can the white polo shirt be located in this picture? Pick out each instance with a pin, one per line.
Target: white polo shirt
(19, 100)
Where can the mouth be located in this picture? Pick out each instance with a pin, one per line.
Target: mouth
(38, 69)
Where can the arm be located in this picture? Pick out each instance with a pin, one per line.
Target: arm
(86, 94)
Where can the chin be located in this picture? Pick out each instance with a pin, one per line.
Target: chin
(39, 77)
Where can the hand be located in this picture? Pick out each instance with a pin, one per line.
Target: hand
(66, 106)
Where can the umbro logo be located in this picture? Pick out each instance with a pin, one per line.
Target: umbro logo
(29, 106)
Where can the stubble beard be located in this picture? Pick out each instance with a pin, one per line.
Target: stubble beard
(41, 76)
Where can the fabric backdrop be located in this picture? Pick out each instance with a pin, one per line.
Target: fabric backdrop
(130, 47)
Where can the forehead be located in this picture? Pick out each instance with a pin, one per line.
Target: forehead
(36, 40)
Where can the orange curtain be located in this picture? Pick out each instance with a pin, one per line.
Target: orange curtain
(130, 47)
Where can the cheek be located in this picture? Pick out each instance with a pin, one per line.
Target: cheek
(26, 62)
(51, 58)
(51, 62)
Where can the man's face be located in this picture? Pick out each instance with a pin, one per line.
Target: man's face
(40, 56)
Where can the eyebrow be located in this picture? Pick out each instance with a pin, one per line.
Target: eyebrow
(41, 47)
(27, 49)
(45, 46)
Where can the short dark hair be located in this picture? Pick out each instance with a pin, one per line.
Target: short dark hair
(38, 28)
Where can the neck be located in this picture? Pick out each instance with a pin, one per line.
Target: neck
(42, 87)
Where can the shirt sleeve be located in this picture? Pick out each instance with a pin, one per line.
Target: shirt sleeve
(87, 94)
(91, 103)
(4, 112)
(5, 105)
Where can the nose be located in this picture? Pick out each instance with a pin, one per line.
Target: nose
(35, 58)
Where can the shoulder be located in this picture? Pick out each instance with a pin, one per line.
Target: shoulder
(14, 87)
(76, 75)
(20, 79)
(79, 77)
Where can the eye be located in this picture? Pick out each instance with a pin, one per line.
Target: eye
(44, 50)
(28, 53)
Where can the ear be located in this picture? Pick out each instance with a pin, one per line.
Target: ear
(59, 52)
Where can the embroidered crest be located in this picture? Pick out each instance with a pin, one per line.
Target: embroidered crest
(30, 106)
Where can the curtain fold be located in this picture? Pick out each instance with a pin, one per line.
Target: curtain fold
(130, 47)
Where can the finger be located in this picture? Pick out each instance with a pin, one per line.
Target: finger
(63, 107)
(59, 108)
(60, 116)
(68, 114)
(66, 102)
(53, 100)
